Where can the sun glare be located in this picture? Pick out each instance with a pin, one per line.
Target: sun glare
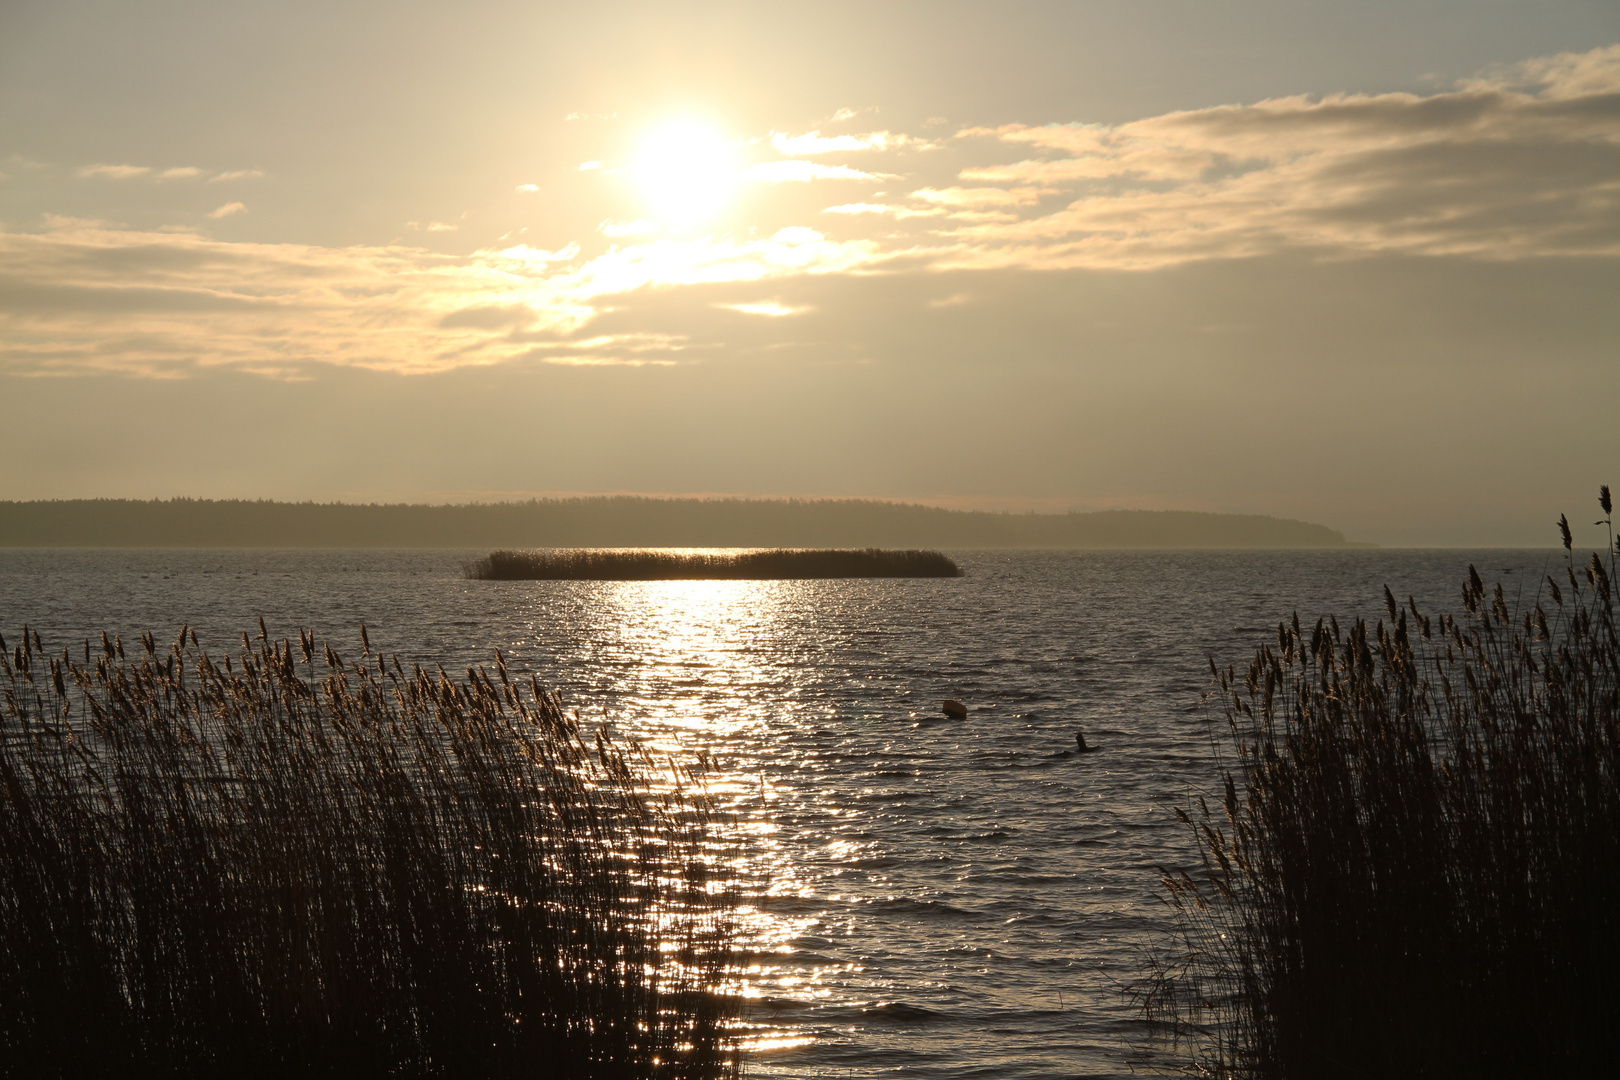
(686, 172)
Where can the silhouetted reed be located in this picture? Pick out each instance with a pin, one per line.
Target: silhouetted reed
(609, 564)
(1414, 869)
(284, 864)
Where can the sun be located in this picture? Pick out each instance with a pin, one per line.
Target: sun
(686, 171)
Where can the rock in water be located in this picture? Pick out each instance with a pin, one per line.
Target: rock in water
(954, 709)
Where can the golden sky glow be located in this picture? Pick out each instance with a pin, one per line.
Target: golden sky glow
(1461, 172)
(867, 225)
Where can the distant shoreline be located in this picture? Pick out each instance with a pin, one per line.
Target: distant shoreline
(626, 521)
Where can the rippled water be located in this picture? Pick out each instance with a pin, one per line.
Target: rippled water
(941, 898)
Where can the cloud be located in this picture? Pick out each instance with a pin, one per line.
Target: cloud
(885, 209)
(612, 350)
(816, 143)
(589, 166)
(113, 172)
(774, 309)
(976, 198)
(84, 297)
(777, 172)
(528, 188)
(488, 317)
(1522, 164)
(237, 174)
(227, 210)
(532, 259)
(664, 263)
(130, 172)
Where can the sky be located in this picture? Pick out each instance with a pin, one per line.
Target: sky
(1350, 263)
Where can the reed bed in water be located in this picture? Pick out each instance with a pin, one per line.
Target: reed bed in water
(285, 864)
(1414, 867)
(605, 564)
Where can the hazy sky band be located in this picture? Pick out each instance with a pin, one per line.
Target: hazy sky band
(1116, 291)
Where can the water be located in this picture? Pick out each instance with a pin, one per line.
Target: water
(936, 898)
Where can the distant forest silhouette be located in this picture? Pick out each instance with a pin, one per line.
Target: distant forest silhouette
(628, 521)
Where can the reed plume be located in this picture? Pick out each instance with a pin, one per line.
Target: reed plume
(287, 862)
(1413, 864)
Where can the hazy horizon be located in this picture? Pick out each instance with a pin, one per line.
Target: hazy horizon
(626, 522)
(1347, 266)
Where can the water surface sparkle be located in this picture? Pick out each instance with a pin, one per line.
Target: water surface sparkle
(929, 897)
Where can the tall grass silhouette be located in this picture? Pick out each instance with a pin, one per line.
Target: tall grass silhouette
(1413, 868)
(285, 864)
(610, 564)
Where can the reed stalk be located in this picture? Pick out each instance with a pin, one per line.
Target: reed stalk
(282, 863)
(1413, 866)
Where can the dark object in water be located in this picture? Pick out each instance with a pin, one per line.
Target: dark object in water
(1080, 742)
(899, 1010)
(777, 564)
(954, 709)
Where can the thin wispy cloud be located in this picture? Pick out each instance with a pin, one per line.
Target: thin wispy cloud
(178, 172)
(228, 210)
(611, 350)
(112, 172)
(773, 309)
(795, 171)
(815, 143)
(884, 209)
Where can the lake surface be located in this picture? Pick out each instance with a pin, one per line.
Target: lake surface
(935, 897)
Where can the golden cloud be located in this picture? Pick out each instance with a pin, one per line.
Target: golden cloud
(1523, 164)
(113, 172)
(84, 297)
(793, 171)
(815, 143)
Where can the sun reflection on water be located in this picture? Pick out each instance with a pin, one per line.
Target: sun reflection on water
(706, 667)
